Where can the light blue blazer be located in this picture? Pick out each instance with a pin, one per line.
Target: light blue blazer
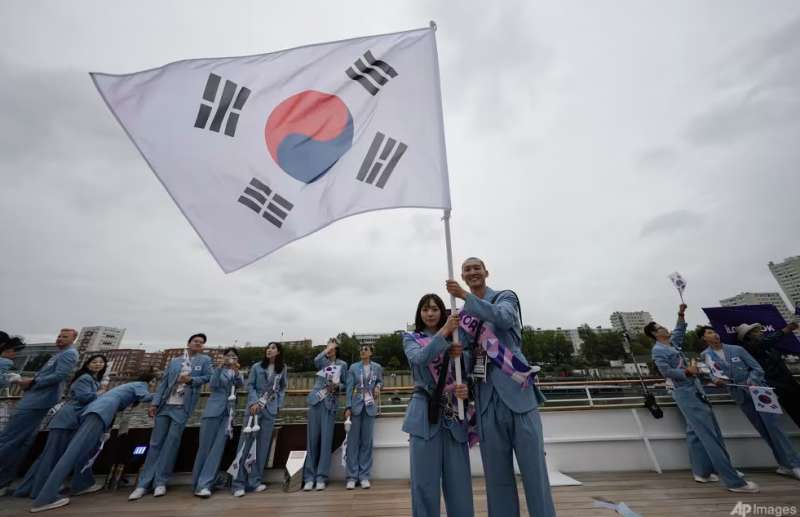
(258, 383)
(46, 389)
(416, 420)
(81, 392)
(740, 366)
(201, 373)
(502, 317)
(668, 358)
(107, 405)
(332, 400)
(5, 366)
(221, 382)
(355, 387)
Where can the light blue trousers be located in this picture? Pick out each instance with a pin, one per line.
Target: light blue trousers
(505, 434)
(83, 444)
(438, 465)
(249, 481)
(319, 440)
(213, 438)
(57, 442)
(165, 440)
(707, 452)
(16, 440)
(359, 446)
(768, 426)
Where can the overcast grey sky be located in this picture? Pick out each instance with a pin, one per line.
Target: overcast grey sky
(594, 148)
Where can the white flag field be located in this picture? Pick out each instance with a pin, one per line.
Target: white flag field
(259, 151)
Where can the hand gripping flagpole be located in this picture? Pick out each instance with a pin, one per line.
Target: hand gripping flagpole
(453, 308)
(446, 220)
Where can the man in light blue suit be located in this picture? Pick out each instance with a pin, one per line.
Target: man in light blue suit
(323, 401)
(42, 393)
(364, 383)
(216, 426)
(707, 452)
(96, 420)
(173, 403)
(9, 346)
(741, 368)
(508, 416)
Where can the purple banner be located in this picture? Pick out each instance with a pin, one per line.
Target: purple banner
(726, 319)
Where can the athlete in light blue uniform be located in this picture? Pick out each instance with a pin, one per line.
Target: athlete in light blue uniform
(323, 401)
(266, 391)
(707, 452)
(9, 346)
(82, 391)
(741, 368)
(364, 383)
(508, 416)
(438, 441)
(42, 393)
(216, 426)
(96, 420)
(173, 403)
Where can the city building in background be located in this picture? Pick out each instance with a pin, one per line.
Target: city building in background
(633, 322)
(787, 274)
(759, 299)
(99, 339)
(296, 344)
(371, 339)
(34, 355)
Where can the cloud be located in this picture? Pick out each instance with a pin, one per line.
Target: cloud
(657, 158)
(670, 222)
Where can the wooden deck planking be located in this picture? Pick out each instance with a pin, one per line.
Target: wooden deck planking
(648, 493)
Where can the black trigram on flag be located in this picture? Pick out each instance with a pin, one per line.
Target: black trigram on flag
(261, 199)
(382, 158)
(369, 65)
(224, 103)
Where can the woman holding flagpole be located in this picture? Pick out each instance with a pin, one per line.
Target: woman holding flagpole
(266, 391)
(438, 441)
(82, 391)
(323, 401)
(217, 423)
(734, 367)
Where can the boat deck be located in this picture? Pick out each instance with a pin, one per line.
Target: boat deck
(647, 493)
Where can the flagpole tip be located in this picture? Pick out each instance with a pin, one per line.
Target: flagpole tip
(433, 25)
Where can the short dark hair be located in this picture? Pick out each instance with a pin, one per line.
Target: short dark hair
(419, 325)
(231, 349)
(701, 331)
(199, 334)
(650, 330)
(473, 258)
(146, 376)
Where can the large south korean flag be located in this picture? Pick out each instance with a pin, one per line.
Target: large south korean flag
(259, 151)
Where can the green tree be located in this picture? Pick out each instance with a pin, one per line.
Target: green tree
(600, 347)
(389, 352)
(251, 355)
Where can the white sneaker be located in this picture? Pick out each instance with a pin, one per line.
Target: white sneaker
(710, 479)
(365, 483)
(351, 484)
(749, 488)
(203, 492)
(239, 493)
(320, 485)
(159, 491)
(308, 487)
(92, 489)
(260, 488)
(786, 471)
(137, 494)
(64, 501)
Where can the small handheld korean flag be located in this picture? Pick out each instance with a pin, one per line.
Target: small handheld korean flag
(715, 368)
(765, 400)
(679, 283)
(259, 151)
